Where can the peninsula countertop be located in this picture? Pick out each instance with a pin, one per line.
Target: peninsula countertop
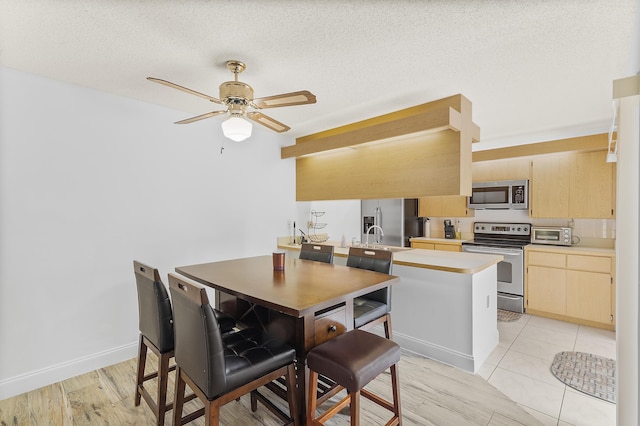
(461, 263)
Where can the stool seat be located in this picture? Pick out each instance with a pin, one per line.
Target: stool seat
(354, 359)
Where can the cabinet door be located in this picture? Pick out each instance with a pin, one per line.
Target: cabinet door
(444, 206)
(591, 188)
(547, 289)
(456, 206)
(503, 169)
(549, 186)
(589, 296)
(430, 206)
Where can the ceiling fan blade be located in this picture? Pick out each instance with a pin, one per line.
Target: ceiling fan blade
(267, 121)
(302, 97)
(199, 117)
(184, 89)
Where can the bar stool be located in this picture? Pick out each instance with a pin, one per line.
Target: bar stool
(373, 308)
(352, 360)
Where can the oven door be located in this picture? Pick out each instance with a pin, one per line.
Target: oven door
(510, 270)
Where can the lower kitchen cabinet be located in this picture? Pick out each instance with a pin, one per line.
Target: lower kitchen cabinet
(571, 284)
(589, 296)
(424, 246)
(547, 290)
(437, 244)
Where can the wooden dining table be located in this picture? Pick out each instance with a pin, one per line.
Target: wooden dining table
(307, 303)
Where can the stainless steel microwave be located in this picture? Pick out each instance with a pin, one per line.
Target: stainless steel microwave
(506, 194)
(553, 235)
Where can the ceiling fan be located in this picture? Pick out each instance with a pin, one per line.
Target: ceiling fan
(239, 101)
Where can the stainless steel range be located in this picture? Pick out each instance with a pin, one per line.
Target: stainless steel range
(508, 240)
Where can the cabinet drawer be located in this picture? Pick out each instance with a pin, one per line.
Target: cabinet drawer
(589, 263)
(330, 325)
(420, 245)
(447, 247)
(554, 260)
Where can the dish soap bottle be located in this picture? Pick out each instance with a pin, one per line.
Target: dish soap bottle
(458, 233)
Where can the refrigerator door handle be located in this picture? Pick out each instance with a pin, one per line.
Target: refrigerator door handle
(378, 221)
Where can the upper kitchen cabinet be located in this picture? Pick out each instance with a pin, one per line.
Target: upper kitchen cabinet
(420, 151)
(578, 185)
(444, 206)
(503, 169)
(592, 186)
(549, 186)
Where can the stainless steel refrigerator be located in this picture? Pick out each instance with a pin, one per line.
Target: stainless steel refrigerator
(398, 218)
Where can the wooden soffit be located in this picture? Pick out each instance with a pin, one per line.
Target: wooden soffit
(418, 151)
(595, 142)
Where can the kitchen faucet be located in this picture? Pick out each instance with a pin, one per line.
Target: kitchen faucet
(370, 228)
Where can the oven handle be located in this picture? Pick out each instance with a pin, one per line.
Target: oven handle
(513, 253)
(504, 296)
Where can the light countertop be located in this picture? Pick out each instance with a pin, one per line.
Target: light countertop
(457, 262)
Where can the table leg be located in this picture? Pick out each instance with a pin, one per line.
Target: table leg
(302, 378)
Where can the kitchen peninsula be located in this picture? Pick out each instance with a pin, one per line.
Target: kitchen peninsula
(444, 307)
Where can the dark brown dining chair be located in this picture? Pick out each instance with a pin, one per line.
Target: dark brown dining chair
(156, 334)
(221, 368)
(317, 252)
(373, 308)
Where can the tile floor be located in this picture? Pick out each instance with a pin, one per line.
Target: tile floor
(520, 368)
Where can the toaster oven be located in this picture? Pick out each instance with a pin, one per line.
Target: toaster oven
(553, 235)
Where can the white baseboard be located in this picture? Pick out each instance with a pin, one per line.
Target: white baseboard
(36, 379)
(438, 353)
(435, 352)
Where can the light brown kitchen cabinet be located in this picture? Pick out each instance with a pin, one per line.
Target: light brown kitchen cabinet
(437, 244)
(547, 290)
(444, 206)
(549, 186)
(570, 285)
(503, 169)
(589, 296)
(592, 186)
(424, 246)
(577, 185)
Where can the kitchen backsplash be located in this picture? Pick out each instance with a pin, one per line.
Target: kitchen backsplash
(592, 232)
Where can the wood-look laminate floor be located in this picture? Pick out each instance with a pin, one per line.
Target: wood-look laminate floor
(431, 393)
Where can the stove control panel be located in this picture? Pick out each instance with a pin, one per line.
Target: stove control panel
(502, 228)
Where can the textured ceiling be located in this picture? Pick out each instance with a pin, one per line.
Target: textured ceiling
(527, 67)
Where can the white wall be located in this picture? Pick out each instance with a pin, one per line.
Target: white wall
(90, 181)
(627, 273)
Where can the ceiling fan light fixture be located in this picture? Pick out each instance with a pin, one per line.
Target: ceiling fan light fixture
(236, 128)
